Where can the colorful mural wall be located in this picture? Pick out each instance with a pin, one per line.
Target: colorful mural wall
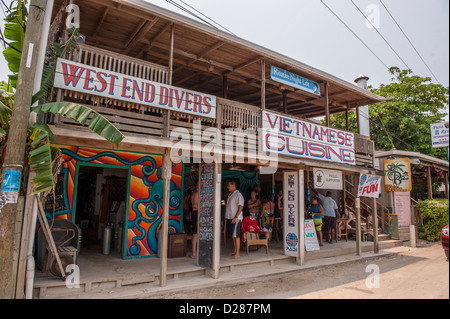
(145, 194)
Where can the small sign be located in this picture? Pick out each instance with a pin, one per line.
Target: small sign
(397, 175)
(10, 187)
(439, 135)
(311, 242)
(327, 179)
(369, 185)
(294, 80)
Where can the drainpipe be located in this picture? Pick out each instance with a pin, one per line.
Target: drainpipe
(37, 85)
(363, 111)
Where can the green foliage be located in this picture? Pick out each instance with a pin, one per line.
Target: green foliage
(15, 32)
(435, 215)
(404, 123)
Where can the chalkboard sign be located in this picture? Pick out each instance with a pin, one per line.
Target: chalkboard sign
(56, 199)
(206, 216)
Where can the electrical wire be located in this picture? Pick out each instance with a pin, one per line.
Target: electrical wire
(379, 59)
(376, 29)
(407, 38)
(179, 6)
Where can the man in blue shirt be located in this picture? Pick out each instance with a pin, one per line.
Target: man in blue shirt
(330, 214)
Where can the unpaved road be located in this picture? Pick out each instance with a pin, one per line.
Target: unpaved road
(418, 273)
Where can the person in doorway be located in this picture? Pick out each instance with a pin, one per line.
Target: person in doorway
(254, 205)
(194, 202)
(317, 213)
(234, 216)
(330, 215)
(266, 214)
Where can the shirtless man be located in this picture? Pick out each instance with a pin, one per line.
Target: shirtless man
(194, 202)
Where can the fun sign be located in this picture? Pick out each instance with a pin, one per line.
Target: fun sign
(90, 80)
(369, 186)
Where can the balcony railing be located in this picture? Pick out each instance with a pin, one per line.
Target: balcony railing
(143, 120)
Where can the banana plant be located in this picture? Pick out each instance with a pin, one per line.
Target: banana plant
(44, 158)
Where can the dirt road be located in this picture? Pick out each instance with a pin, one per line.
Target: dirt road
(419, 273)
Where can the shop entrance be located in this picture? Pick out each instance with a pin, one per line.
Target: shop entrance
(101, 202)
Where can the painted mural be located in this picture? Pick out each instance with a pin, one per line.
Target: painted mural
(145, 200)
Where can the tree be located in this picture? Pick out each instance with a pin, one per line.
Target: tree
(404, 122)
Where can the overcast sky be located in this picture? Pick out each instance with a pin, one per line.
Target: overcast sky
(308, 32)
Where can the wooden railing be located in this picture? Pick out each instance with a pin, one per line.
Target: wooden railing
(143, 120)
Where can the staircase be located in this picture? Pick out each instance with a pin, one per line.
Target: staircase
(367, 226)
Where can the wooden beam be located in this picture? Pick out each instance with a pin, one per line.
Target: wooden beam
(263, 84)
(154, 39)
(139, 33)
(166, 175)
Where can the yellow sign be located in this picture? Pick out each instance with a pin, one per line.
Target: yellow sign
(398, 175)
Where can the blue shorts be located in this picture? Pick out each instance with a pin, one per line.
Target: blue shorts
(234, 230)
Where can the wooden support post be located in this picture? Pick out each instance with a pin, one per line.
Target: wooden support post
(358, 217)
(217, 216)
(225, 87)
(15, 153)
(263, 84)
(446, 184)
(167, 114)
(301, 232)
(375, 226)
(346, 120)
(327, 105)
(429, 183)
(284, 102)
(166, 175)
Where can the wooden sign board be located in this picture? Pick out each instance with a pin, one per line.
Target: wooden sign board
(392, 225)
(206, 216)
(311, 241)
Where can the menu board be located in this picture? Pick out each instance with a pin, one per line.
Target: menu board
(206, 216)
(55, 201)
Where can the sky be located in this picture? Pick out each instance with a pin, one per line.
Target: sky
(307, 31)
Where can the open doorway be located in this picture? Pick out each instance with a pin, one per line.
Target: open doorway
(101, 208)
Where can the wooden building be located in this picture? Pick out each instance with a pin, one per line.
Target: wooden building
(158, 75)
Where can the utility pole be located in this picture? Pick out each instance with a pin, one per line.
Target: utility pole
(10, 222)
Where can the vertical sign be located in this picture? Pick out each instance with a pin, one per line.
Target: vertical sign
(311, 241)
(291, 213)
(10, 187)
(402, 203)
(439, 135)
(206, 216)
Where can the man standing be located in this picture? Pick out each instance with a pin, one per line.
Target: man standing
(330, 215)
(234, 216)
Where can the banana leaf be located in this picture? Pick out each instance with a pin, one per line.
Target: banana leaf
(80, 114)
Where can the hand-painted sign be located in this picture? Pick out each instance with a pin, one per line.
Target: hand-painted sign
(398, 175)
(206, 216)
(369, 185)
(294, 80)
(439, 135)
(327, 179)
(291, 213)
(311, 241)
(86, 79)
(291, 136)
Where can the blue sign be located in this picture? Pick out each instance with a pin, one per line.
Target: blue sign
(294, 80)
(11, 181)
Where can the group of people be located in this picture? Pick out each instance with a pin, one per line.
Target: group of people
(325, 214)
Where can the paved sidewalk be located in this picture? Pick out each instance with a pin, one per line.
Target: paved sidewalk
(239, 275)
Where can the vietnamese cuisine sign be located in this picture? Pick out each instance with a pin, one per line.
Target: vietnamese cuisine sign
(291, 136)
(294, 80)
(90, 80)
(369, 185)
(439, 135)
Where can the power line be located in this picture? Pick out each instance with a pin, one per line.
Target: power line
(190, 12)
(207, 17)
(409, 41)
(376, 29)
(354, 34)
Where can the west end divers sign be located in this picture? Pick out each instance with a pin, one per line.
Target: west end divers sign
(290, 136)
(87, 79)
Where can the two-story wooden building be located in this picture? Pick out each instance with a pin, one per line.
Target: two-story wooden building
(184, 93)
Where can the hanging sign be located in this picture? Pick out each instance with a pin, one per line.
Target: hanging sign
(291, 213)
(311, 241)
(327, 179)
(290, 136)
(90, 80)
(397, 175)
(369, 185)
(294, 80)
(439, 135)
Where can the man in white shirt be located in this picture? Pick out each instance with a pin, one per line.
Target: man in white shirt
(330, 213)
(234, 216)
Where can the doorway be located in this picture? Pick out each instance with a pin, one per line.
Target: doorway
(101, 208)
